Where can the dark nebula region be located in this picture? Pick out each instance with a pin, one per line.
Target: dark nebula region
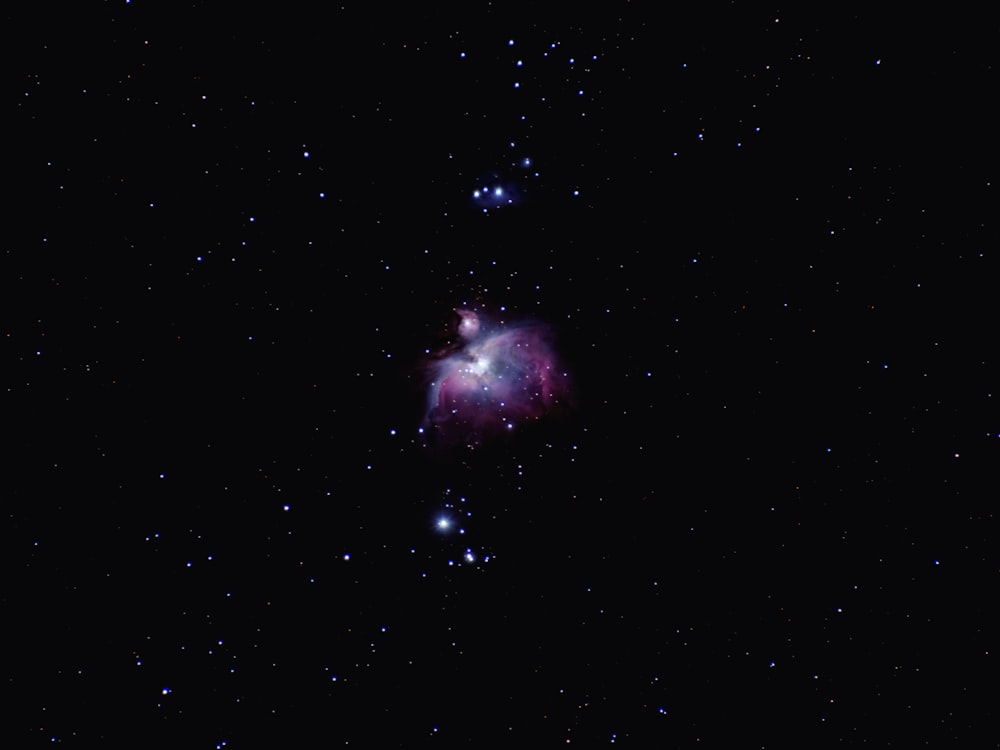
(492, 379)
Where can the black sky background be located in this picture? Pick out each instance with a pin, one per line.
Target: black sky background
(765, 516)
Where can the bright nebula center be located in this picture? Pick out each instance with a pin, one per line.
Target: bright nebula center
(492, 380)
(479, 366)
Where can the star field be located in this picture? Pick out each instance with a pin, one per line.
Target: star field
(498, 376)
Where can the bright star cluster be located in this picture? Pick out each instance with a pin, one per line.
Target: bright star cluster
(450, 524)
(505, 188)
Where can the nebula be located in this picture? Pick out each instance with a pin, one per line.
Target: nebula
(492, 380)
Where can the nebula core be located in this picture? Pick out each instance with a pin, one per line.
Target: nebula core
(491, 380)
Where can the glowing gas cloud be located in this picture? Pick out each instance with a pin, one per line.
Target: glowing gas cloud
(492, 378)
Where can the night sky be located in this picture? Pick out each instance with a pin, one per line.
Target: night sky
(496, 376)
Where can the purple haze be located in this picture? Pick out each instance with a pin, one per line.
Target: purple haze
(492, 380)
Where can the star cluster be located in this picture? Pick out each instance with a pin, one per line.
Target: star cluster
(508, 188)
